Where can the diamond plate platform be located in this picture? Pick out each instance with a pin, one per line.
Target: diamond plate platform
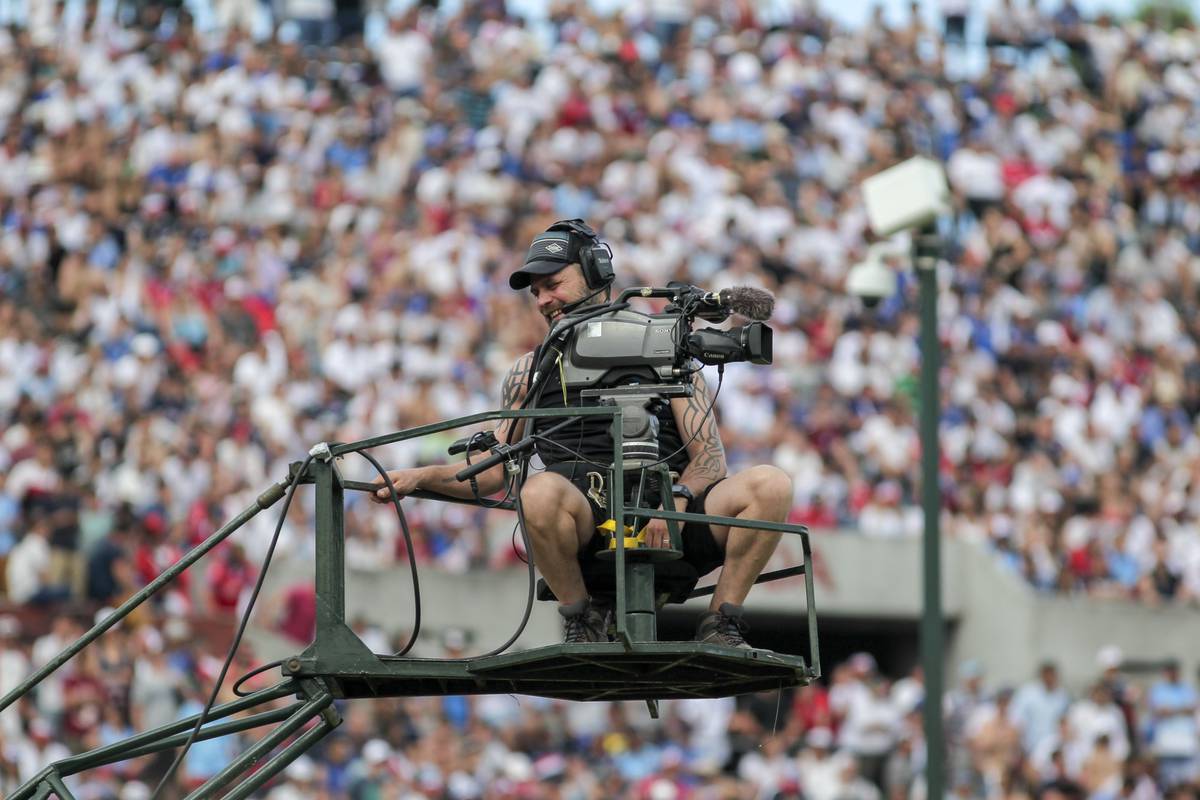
(604, 671)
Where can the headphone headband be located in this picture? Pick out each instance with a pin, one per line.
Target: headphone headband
(595, 258)
(575, 226)
(563, 242)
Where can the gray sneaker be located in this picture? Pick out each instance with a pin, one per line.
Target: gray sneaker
(583, 623)
(723, 627)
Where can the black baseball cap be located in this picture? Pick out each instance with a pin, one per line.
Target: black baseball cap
(550, 252)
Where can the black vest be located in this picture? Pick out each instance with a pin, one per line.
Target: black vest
(591, 438)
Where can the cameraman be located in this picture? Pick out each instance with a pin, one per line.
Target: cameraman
(564, 505)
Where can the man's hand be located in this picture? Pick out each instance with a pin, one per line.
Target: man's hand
(656, 531)
(406, 481)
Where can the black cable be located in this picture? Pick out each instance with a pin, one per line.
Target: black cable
(237, 639)
(569, 308)
(237, 685)
(529, 584)
(412, 553)
(532, 393)
(533, 388)
(581, 457)
(483, 501)
(512, 542)
(416, 584)
(528, 598)
(412, 560)
(712, 405)
(531, 396)
(574, 451)
(578, 442)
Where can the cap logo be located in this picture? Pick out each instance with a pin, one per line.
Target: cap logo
(554, 247)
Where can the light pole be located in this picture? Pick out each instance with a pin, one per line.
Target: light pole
(925, 249)
(910, 196)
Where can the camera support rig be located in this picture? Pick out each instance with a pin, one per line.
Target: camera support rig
(338, 665)
(639, 566)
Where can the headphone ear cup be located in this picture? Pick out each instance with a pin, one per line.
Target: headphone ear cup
(587, 265)
(595, 259)
(596, 266)
(601, 266)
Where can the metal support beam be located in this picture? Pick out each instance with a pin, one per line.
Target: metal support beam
(331, 549)
(55, 781)
(262, 747)
(263, 501)
(616, 510)
(932, 632)
(121, 751)
(814, 650)
(639, 606)
(281, 760)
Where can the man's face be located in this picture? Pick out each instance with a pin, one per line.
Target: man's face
(552, 292)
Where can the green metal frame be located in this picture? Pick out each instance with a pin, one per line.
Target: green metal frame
(338, 665)
(316, 701)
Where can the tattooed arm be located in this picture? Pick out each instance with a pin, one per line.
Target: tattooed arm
(512, 394)
(706, 454)
(440, 478)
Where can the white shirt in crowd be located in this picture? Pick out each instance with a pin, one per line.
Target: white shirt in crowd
(1089, 721)
(27, 564)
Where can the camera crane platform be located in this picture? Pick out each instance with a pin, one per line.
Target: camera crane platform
(338, 665)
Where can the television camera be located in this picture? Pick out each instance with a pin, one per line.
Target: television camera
(614, 355)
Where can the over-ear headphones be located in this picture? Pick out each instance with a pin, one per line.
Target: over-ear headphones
(595, 258)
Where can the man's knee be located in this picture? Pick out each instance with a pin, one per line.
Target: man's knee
(543, 496)
(546, 497)
(770, 486)
(543, 488)
(765, 488)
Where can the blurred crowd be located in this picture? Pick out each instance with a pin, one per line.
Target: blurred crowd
(858, 736)
(217, 249)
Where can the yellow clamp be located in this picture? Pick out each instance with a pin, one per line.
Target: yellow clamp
(610, 527)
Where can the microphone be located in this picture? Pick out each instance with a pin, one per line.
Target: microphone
(571, 308)
(756, 304)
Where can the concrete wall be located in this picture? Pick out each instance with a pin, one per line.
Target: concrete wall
(996, 623)
(994, 615)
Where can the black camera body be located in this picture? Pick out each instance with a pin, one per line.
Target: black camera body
(750, 342)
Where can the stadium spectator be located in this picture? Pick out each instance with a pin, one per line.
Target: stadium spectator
(228, 578)
(1096, 717)
(1174, 740)
(1039, 705)
(14, 666)
(216, 246)
(994, 743)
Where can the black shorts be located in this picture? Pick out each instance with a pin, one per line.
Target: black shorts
(700, 549)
